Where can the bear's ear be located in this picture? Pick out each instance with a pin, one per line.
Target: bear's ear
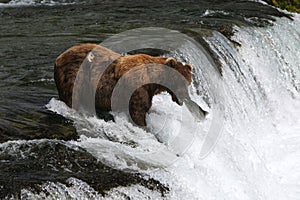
(171, 62)
(190, 66)
(90, 57)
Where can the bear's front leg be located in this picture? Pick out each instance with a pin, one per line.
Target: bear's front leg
(174, 97)
(139, 105)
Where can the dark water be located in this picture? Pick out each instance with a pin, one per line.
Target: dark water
(32, 36)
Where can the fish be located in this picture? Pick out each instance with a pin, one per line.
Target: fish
(195, 109)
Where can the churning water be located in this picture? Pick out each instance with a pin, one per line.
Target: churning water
(256, 154)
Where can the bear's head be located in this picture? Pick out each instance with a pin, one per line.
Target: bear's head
(184, 69)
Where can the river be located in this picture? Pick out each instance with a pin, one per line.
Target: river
(246, 74)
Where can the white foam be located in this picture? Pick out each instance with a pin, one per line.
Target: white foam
(75, 189)
(124, 145)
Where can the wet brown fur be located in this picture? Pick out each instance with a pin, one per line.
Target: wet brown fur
(67, 68)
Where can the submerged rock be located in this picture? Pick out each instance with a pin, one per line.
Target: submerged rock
(36, 125)
(4, 1)
(28, 165)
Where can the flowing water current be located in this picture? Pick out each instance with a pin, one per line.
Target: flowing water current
(246, 75)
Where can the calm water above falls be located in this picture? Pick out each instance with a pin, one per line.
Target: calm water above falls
(49, 150)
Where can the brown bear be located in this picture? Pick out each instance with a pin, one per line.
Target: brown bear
(88, 56)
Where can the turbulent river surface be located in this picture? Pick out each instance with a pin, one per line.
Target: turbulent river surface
(246, 59)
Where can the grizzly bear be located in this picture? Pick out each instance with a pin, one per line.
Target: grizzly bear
(112, 67)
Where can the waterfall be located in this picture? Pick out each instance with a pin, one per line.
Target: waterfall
(256, 155)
